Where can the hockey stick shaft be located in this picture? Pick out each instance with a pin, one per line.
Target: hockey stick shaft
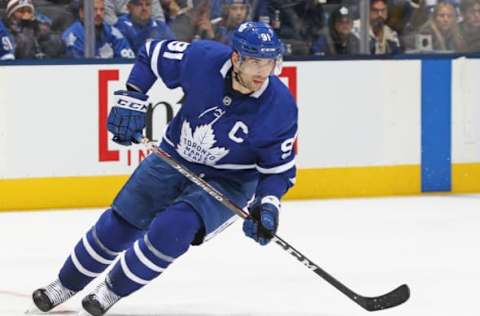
(394, 298)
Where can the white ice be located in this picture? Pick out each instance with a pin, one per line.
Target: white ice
(431, 243)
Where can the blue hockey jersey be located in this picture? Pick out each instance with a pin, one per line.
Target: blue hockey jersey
(137, 34)
(219, 132)
(109, 42)
(7, 48)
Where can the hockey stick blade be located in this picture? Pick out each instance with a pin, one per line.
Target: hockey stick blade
(394, 298)
(391, 299)
(375, 303)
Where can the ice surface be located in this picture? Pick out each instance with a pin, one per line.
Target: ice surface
(372, 245)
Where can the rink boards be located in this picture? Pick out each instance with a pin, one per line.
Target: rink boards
(367, 128)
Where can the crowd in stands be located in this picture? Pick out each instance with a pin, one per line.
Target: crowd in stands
(37, 29)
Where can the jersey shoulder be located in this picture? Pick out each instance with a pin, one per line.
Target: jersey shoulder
(279, 112)
(281, 98)
(73, 33)
(202, 61)
(205, 53)
(112, 32)
(123, 22)
(76, 29)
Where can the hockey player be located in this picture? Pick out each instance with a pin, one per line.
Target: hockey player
(236, 129)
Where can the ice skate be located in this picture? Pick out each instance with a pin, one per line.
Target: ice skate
(100, 300)
(46, 298)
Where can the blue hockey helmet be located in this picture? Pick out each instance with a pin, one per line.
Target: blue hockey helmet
(257, 40)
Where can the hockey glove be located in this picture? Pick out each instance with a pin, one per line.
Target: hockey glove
(126, 120)
(262, 223)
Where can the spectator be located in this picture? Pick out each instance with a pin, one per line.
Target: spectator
(109, 41)
(193, 23)
(260, 11)
(296, 22)
(419, 14)
(383, 40)
(311, 19)
(7, 48)
(338, 39)
(470, 26)
(442, 29)
(401, 13)
(32, 34)
(116, 8)
(59, 11)
(202, 21)
(216, 8)
(235, 12)
(139, 25)
(171, 9)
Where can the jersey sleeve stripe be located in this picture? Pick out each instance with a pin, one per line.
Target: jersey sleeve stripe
(147, 47)
(154, 58)
(278, 169)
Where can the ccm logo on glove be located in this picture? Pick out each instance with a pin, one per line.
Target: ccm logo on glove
(131, 104)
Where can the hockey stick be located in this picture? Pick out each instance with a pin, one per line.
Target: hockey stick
(375, 303)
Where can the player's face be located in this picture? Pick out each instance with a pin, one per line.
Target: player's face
(253, 72)
(141, 11)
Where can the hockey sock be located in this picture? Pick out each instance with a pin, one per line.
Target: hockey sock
(168, 237)
(97, 250)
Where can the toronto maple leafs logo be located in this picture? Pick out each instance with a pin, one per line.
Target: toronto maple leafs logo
(198, 146)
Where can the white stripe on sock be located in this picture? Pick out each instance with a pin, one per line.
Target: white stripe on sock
(155, 251)
(93, 253)
(143, 259)
(80, 268)
(129, 273)
(101, 245)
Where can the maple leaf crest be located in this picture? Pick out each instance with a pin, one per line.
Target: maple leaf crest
(198, 146)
